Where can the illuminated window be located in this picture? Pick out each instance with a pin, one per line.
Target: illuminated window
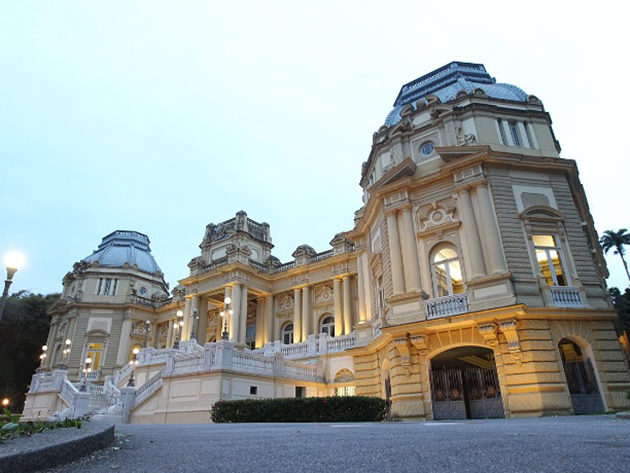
(549, 260)
(328, 326)
(287, 334)
(95, 351)
(447, 273)
(344, 391)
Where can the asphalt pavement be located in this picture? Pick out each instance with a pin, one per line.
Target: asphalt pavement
(559, 444)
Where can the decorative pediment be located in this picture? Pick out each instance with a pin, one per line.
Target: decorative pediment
(404, 169)
(542, 213)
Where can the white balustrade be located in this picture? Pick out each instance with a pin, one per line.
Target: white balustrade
(446, 306)
(68, 391)
(188, 363)
(294, 350)
(297, 370)
(250, 363)
(341, 343)
(150, 387)
(566, 296)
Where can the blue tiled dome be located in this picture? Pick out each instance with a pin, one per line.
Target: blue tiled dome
(447, 81)
(122, 247)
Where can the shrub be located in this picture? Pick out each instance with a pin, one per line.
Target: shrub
(11, 427)
(310, 409)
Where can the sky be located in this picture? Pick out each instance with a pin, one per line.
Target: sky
(164, 116)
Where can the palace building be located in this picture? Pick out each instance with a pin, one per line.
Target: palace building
(471, 286)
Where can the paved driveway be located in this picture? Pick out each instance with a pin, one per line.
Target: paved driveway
(580, 444)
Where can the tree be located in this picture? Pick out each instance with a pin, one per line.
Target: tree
(23, 331)
(621, 302)
(616, 240)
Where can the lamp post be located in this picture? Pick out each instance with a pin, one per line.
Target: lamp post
(195, 316)
(227, 310)
(147, 329)
(179, 326)
(87, 369)
(42, 357)
(133, 363)
(5, 403)
(13, 261)
(64, 358)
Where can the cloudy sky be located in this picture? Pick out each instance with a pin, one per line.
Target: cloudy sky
(164, 116)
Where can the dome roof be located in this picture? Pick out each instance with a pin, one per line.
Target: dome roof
(447, 81)
(122, 247)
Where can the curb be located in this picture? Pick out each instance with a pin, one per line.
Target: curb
(623, 415)
(36, 456)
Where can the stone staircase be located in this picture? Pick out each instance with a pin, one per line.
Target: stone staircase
(98, 401)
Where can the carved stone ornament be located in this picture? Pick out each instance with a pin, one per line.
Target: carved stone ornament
(508, 329)
(285, 302)
(420, 342)
(489, 333)
(402, 346)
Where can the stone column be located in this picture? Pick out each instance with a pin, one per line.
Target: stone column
(184, 329)
(269, 320)
(398, 279)
(169, 334)
(366, 286)
(202, 323)
(361, 288)
(473, 241)
(297, 315)
(123, 346)
(338, 308)
(306, 312)
(495, 249)
(235, 319)
(242, 329)
(347, 305)
(155, 330)
(50, 343)
(411, 261)
(260, 322)
(70, 333)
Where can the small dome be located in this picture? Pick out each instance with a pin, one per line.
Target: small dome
(125, 247)
(447, 81)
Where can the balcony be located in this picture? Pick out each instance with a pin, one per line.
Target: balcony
(446, 306)
(566, 296)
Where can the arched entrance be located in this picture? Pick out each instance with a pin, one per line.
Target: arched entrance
(581, 380)
(465, 385)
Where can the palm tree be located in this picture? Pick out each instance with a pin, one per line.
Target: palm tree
(616, 240)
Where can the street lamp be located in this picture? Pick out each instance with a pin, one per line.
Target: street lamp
(179, 326)
(5, 403)
(86, 370)
(133, 363)
(147, 329)
(64, 358)
(42, 357)
(195, 316)
(227, 310)
(13, 261)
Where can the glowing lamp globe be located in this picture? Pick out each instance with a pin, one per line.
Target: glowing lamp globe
(14, 260)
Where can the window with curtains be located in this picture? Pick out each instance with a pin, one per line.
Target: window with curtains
(447, 273)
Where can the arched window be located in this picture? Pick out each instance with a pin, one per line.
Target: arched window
(447, 273)
(328, 326)
(287, 334)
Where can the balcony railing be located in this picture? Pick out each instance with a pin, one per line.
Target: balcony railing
(566, 296)
(446, 306)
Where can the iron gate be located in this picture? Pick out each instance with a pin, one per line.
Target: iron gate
(471, 393)
(583, 388)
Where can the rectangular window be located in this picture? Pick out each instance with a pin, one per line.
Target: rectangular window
(253, 390)
(528, 134)
(502, 132)
(549, 260)
(100, 285)
(115, 286)
(380, 295)
(300, 391)
(95, 352)
(514, 134)
(108, 285)
(344, 391)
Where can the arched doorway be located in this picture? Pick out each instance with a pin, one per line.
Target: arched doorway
(581, 380)
(465, 385)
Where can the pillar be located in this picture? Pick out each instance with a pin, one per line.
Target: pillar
(155, 330)
(471, 232)
(361, 288)
(297, 315)
(338, 309)
(242, 329)
(169, 334)
(260, 322)
(270, 317)
(123, 346)
(398, 279)
(234, 320)
(411, 261)
(50, 343)
(495, 249)
(202, 323)
(347, 306)
(366, 285)
(185, 330)
(306, 312)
